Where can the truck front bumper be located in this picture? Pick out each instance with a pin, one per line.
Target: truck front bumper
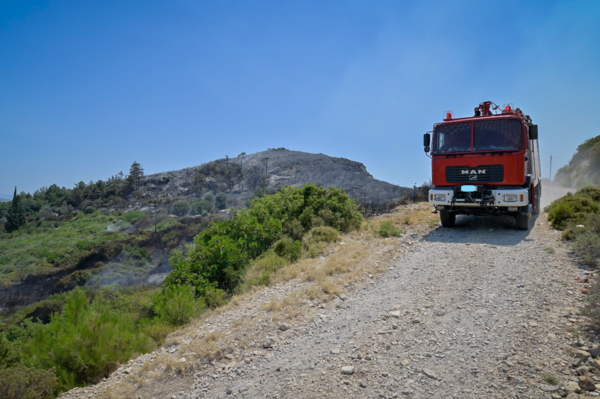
(444, 197)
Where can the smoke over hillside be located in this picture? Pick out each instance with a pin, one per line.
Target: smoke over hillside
(584, 167)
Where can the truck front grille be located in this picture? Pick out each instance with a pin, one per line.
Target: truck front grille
(470, 174)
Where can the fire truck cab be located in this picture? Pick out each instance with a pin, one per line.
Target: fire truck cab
(487, 164)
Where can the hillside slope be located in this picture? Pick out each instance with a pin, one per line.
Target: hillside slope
(583, 168)
(404, 322)
(276, 168)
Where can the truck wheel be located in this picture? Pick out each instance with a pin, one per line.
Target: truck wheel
(524, 219)
(538, 200)
(447, 218)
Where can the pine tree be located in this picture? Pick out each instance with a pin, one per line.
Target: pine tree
(136, 172)
(15, 218)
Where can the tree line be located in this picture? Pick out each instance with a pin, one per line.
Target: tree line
(62, 200)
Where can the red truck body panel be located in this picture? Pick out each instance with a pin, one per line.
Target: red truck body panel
(514, 167)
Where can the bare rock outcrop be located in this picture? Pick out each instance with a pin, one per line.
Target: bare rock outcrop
(276, 168)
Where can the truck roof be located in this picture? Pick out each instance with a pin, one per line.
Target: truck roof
(484, 111)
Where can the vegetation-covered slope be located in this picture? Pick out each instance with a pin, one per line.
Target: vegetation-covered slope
(584, 167)
(93, 330)
(54, 256)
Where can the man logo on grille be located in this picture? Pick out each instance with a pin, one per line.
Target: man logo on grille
(472, 177)
(472, 172)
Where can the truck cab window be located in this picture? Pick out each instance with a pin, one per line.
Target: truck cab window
(503, 134)
(454, 137)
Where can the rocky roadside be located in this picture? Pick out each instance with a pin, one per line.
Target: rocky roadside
(477, 311)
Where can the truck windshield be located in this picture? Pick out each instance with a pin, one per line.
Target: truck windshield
(454, 137)
(488, 135)
(503, 134)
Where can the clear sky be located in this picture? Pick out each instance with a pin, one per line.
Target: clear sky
(88, 87)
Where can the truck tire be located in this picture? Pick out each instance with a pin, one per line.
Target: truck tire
(523, 219)
(447, 218)
(538, 200)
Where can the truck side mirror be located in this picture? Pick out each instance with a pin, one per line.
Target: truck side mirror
(533, 132)
(426, 140)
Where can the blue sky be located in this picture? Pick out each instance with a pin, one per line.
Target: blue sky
(88, 87)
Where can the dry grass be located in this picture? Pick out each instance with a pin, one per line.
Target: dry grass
(209, 347)
(411, 215)
(345, 266)
(120, 391)
(294, 301)
(294, 270)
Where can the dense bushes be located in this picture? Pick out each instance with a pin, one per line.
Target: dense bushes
(177, 305)
(579, 216)
(96, 331)
(89, 210)
(27, 383)
(181, 208)
(87, 341)
(201, 207)
(572, 209)
(221, 201)
(288, 249)
(223, 252)
(92, 331)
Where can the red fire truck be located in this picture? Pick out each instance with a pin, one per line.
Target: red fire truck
(487, 164)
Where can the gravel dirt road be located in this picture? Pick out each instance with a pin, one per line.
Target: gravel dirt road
(481, 310)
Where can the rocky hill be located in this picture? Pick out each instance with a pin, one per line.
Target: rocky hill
(240, 177)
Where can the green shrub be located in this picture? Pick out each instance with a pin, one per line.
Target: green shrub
(27, 383)
(86, 341)
(223, 252)
(389, 229)
(89, 210)
(221, 201)
(315, 241)
(592, 192)
(181, 208)
(176, 305)
(209, 197)
(323, 234)
(587, 246)
(133, 215)
(572, 208)
(261, 269)
(10, 355)
(288, 249)
(215, 297)
(159, 330)
(201, 207)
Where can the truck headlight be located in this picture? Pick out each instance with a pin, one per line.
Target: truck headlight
(439, 197)
(511, 197)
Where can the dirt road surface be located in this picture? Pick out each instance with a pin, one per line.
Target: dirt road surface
(477, 311)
